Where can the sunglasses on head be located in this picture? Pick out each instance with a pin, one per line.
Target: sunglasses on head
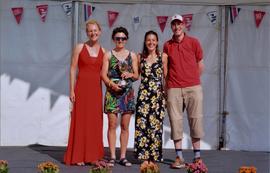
(120, 38)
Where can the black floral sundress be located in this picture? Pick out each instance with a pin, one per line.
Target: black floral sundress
(150, 112)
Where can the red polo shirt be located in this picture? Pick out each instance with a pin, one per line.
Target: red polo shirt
(183, 61)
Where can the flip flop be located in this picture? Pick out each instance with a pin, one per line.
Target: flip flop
(80, 164)
(111, 162)
(125, 162)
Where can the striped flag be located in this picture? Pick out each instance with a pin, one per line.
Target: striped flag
(234, 11)
(88, 10)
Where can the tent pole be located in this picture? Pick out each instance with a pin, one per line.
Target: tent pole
(223, 77)
(75, 23)
(1, 55)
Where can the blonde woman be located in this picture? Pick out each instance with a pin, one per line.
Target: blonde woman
(85, 144)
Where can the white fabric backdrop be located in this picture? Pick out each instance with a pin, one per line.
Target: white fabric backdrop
(35, 60)
(248, 86)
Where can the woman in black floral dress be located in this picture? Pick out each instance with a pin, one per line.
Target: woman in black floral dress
(150, 108)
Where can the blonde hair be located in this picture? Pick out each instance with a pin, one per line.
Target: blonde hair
(92, 21)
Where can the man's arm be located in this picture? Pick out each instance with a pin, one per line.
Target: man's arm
(201, 66)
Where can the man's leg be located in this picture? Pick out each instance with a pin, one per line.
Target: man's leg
(175, 106)
(196, 148)
(193, 100)
(178, 148)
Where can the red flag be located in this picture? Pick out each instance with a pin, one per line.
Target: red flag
(162, 20)
(187, 20)
(112, 15)
(17, 12)
(42, 10)
(258, 15)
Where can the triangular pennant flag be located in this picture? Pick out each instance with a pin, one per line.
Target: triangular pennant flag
(42, 11)
(212, 15)
(88, 10)
(17, 12)
(187, 20)
(258, 15)
(234, 12)
(67, 6)
(112, 16)
(136, 22)
(162, 20)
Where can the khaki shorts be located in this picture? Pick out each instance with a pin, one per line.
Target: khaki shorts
(189, 99)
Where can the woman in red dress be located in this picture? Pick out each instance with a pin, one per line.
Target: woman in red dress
(85, 144)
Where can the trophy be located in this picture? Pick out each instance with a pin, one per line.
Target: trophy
(123, 68)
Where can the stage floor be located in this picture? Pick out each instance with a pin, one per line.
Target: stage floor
(26, 159)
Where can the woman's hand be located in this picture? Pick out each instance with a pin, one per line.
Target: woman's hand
(127, 75)
(72, 96)
(115, 87)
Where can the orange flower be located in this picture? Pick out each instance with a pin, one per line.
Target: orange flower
(149, 167)
(247, 169)
(48, 167)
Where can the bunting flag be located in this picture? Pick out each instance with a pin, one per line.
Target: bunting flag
(212, 15)
(17, 12)
(162, 20)
(258, 15)
(136, 22)
(234, 12)
(42, 10)
(112, 16)
(67, 6)
(187, 20)
(88, 10)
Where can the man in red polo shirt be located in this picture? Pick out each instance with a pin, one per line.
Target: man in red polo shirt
(184, 91)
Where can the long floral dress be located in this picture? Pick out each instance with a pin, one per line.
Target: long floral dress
(123, 101)
(150, 112)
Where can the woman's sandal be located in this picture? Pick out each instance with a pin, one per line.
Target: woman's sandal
(80, 164)
(111, 162)
(125, 162)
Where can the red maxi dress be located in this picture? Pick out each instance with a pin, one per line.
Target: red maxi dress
(85, 142)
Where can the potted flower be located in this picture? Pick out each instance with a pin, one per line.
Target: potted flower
(196, 167)
(149, 167)
(48, 167)
(247, 169)
(100, 167)
(3, 166)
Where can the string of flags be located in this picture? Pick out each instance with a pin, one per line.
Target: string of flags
(88, 10)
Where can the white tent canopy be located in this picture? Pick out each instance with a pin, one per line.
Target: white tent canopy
(35, 58)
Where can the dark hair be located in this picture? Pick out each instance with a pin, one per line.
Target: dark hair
(145, 52)
(119, 29)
